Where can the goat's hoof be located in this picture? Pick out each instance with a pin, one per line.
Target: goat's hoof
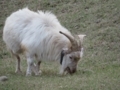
(61, 74)
(18, 71)
(28, 74)
(39, 73)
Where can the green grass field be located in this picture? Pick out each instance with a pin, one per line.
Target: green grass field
(99, 69)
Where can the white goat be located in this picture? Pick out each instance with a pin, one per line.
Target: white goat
(41, 36)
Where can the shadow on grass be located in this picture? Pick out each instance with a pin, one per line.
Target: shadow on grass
(51, 73)
(85, 72)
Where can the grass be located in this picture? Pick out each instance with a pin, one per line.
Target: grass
(100, 66)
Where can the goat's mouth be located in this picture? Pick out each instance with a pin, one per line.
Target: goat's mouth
(70, 71)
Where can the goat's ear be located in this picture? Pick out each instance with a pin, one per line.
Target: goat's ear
(66, 50)
(81, 36)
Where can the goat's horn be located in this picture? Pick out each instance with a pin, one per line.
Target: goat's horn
(72, 40)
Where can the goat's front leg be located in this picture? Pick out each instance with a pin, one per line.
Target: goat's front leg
(61, 71)
(38, 68)
(29, 67)
(62, 68)
(32, 67)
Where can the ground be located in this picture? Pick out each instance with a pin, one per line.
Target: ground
(99, 68)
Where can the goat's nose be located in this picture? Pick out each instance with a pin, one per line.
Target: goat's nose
(73, 71)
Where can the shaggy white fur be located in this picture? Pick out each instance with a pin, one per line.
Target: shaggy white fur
(37, 35)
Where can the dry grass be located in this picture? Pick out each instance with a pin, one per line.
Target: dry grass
(100, 66)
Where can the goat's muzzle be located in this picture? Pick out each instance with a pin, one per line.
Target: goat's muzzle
(70, 71)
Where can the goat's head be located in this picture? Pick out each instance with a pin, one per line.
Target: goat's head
(71, 56)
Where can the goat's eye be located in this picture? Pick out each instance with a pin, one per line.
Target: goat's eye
(70, 57)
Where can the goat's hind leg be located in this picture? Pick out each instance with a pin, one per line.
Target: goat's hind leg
(18, 69)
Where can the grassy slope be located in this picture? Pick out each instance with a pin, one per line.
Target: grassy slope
(99, 69)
